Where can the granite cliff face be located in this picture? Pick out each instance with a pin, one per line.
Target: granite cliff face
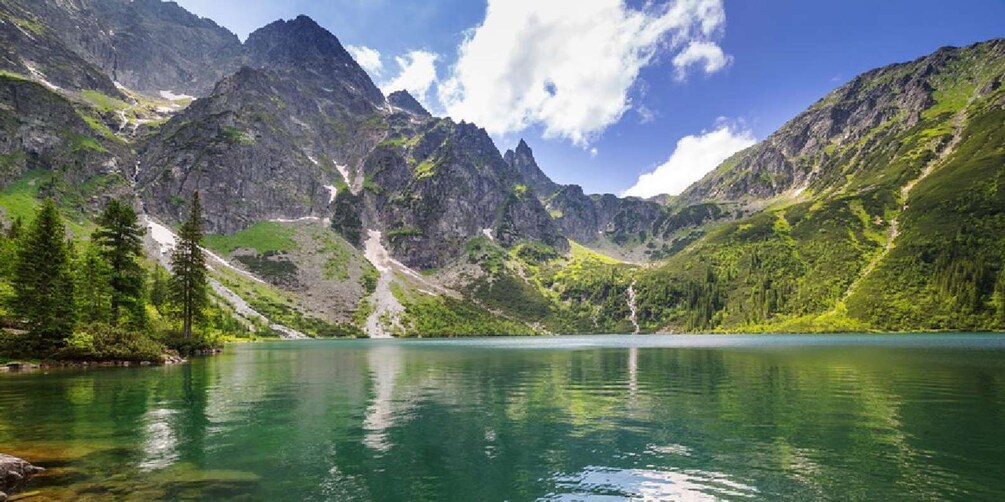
(602, 220)
(42, 130)
(303, 132)
(404, 101)
(146, 45)
(270, 142)
(437, 183)
(32, 47)
(522, 160)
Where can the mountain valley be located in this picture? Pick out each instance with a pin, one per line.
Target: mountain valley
(336, 211)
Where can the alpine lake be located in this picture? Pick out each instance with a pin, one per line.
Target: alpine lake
(661, 417)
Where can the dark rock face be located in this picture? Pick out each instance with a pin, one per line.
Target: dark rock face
(404, 101)
(302, 48)
(30, 46)
(522, 159)
(40, 129)
(270, 139)
(262, 146)
(14, 474)
(443, 183)
(586, 218)
(146, 45)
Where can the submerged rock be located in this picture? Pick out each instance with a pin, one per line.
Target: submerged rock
(14, 474)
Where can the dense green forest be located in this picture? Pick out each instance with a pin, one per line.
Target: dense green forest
(100, 298)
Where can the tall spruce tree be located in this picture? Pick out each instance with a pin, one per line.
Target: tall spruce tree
(119, 238)
(93, 291)
(189, 285)
(160, 292)
(43, 281)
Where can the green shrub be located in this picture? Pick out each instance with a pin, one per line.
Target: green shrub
(197, 343)
(99, 342)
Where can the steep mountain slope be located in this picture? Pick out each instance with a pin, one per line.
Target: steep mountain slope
(31, 47)
(883, 209)
(436, 184)
(146, 45)
(627, 227)
(335, 210)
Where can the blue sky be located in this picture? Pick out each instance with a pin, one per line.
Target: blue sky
(605, 92)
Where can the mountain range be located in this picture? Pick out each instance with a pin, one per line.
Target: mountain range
(335, 210)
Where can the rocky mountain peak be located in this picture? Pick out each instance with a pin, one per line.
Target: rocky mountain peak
(403, 100)
(304, 47)
(522, 160)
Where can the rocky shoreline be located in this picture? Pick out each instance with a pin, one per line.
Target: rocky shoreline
(169, 360)
(14, 474)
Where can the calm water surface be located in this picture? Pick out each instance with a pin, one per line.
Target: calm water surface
(677, 417)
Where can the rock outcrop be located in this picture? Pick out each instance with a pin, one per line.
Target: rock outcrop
(32, 47)
(14, 474)
(436, 185)
(40, 130)
(404, 101)
(584, 218)
(522, 160)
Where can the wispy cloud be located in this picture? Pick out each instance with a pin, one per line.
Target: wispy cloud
(368, 58)
(694, 157)
(416, 74)
(706, 54)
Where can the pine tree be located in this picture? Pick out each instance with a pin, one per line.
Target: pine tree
(93, 290)
(189, 290)
(43, 282)
(160, 291)
(119, 238)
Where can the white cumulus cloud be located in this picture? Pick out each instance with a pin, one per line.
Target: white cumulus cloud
(694, 157)
(567, 68)
(704, 53)
(417, 73)
(368, 58)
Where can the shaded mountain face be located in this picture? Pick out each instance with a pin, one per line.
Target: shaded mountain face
(41, 130)
(591, 220)
(31, 46)
(303, 49)
(437, 183)
(522, 159)
(305, 133)
(145, 45)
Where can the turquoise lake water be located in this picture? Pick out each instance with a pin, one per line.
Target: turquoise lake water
(868, 417)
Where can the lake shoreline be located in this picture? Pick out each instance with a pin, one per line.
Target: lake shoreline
(32, 365)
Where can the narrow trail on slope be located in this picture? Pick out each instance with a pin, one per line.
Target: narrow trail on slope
(634, 317)
(959, 121)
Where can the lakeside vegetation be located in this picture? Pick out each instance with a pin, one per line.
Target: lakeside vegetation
(100, 299)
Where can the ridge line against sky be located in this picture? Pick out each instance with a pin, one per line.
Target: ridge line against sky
(636, 98)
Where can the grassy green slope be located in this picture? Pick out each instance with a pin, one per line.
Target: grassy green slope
(946, 271)
(901, 230)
